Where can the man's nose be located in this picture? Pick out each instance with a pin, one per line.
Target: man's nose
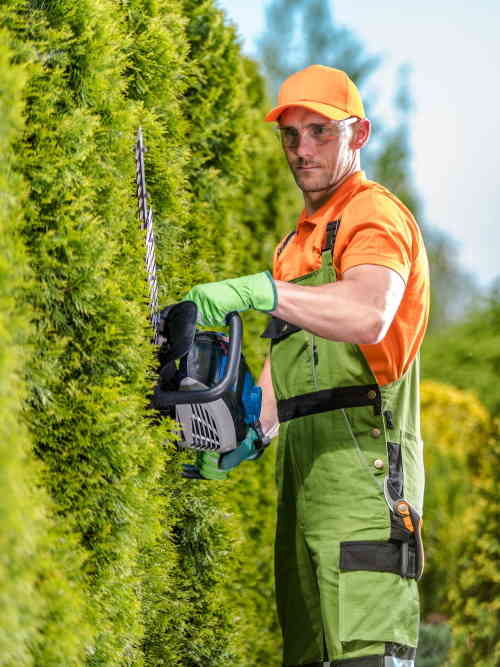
(305, 144)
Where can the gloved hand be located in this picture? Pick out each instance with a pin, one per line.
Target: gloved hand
(212, 465)
(246, 451)
(216, 300)
(206, 467)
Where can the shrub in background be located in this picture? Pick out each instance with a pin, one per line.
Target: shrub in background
(475, 598)
(434, 645)
(455, 431)
(467, 354)
(461, 583)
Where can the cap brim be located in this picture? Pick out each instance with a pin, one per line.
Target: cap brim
(324, 109)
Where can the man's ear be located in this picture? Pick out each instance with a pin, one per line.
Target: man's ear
(361, 133)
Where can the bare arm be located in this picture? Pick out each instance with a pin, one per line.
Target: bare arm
(269, 411)
(357, 309)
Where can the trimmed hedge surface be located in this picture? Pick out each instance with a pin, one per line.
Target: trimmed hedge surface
(121, 561)
(20, 507)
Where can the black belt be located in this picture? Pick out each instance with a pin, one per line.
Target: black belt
(325, 400)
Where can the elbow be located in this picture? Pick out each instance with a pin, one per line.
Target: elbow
(374, 330)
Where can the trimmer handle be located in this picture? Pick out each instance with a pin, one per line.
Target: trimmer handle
(162, 400)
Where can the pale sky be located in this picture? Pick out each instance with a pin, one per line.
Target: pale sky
(453, 49)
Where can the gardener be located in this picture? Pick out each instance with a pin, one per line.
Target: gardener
(349, 300)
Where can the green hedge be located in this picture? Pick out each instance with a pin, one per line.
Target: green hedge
(131, 564)
(20, 508)
(475, 596)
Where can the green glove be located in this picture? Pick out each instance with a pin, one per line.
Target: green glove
(213, 466)
(246, 451)
(216, 300)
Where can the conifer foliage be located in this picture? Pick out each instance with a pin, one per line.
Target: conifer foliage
(123, 562)
(20, 507)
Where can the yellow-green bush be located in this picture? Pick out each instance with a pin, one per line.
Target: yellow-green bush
(455, 427)
(475, 597)
(19, 513)
(462, 513)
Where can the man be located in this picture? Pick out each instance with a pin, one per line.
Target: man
(349, 300)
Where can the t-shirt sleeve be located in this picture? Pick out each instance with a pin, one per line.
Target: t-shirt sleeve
(374, 230)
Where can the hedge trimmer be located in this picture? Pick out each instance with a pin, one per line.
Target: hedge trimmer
(204, 381)
(146, 218)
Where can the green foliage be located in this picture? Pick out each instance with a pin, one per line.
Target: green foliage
(434, 645)
(461, 582)
(229, 188)
(468, 355)
(19, 523)
(87, 380)
(475, 598)
(135, 564)
(455, 428)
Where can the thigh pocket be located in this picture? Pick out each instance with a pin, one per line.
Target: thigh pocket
(376, 604)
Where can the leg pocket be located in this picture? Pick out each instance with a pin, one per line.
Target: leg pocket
(376, 605)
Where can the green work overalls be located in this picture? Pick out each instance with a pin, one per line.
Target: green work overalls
(345, 563)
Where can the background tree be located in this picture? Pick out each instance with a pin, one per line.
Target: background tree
(467, 354)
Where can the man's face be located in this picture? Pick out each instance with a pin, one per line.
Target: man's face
(316, 166)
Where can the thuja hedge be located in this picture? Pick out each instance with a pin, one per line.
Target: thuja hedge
(19, 504)
(118, 560)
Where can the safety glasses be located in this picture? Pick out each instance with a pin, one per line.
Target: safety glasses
(320, 133)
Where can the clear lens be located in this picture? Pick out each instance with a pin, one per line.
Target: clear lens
(320, 133)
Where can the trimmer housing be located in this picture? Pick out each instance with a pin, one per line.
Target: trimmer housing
(205, 383)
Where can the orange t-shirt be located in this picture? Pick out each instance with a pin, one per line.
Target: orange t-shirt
(375, 228)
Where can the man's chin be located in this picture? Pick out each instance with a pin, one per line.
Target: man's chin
(308, 184)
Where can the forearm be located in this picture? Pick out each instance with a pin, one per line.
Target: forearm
(269, 410)
(340, 311)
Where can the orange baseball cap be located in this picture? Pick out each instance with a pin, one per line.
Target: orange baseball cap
(326, 90)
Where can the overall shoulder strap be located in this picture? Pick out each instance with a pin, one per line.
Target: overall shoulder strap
(331, 235)
(285, 242)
